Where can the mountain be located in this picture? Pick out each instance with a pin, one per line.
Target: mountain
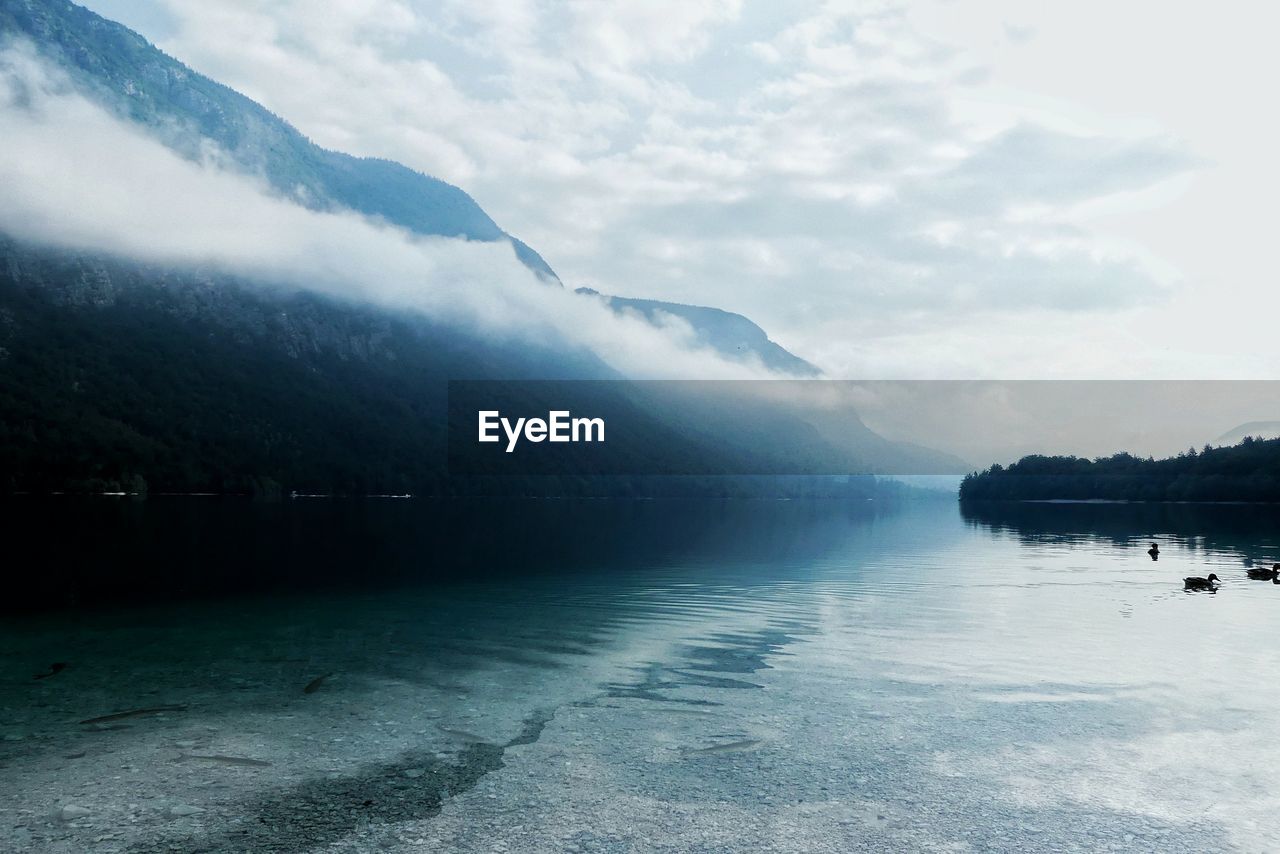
(184, 109)
(729, 334)
(123, 375)
(126, 375)
(1256, 429)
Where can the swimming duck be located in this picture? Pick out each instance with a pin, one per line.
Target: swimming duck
(1154, 551)
(1195, 582)
(1260, 574)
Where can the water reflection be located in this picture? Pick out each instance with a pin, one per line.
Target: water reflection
(1243, 529)
(696, 675)
(79, 552)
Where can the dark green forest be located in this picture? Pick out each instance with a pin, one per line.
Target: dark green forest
(1248, 471)
(117, 376)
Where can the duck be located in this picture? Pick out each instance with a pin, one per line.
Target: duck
(1260, 574)
(1154, 551)
(1195, 582)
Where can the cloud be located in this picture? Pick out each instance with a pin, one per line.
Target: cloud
(1029, 165)
(76, 177)
(823, 167)
(1017, 34)
(618, 34)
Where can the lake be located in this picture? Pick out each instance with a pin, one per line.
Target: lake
(636, 675)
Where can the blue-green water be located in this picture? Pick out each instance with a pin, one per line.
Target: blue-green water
(615, 676)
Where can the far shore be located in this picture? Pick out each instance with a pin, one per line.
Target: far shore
(1106, 501)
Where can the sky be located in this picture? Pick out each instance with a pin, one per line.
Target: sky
(893, 190)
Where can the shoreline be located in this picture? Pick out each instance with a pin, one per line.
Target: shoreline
(1113, 501)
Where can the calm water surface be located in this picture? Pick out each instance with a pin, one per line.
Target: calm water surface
(614, 676)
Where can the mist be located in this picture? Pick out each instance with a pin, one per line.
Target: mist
(988, 422)
(74, 176)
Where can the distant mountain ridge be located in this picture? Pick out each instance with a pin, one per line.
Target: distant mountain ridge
(1256, 429)
(724, 331)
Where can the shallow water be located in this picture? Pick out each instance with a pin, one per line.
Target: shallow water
(683, 676)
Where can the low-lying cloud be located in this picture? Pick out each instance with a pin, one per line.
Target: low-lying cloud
(77, 177)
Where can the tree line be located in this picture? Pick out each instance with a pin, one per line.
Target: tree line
(1247, 471)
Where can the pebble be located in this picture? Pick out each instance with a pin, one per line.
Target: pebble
(71, 812)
